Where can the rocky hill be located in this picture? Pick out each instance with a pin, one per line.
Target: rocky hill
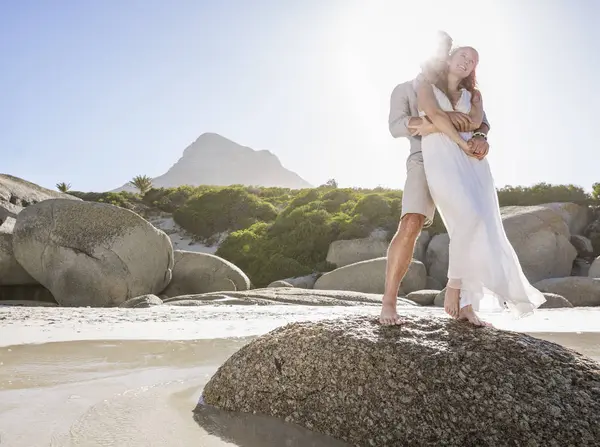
(214, 160)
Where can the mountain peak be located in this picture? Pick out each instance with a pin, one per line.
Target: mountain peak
(215, 160)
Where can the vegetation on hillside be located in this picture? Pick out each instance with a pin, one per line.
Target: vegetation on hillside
(274, 233)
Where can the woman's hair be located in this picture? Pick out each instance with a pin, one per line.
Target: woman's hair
(469, 83)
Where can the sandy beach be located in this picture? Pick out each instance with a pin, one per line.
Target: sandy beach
(131, 377)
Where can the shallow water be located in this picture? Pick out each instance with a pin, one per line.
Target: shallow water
(126, 393)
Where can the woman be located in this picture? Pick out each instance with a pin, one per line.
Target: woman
(484, 271)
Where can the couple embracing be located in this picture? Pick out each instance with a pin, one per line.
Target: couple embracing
(441, 112)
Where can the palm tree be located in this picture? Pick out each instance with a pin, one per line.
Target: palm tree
(142, 182)
(63, 187)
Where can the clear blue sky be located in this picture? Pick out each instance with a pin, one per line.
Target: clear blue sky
(95, 92)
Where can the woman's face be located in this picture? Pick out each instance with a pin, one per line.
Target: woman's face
(462, 62)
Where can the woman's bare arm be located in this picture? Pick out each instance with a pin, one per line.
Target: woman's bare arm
(428, 104)
(476, 113)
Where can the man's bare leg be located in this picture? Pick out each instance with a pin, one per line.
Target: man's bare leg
(399, 256)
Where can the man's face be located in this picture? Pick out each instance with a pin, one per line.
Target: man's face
(444, 44)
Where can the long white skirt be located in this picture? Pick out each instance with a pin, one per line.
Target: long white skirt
(482, 261)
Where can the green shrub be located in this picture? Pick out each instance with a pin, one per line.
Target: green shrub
(122, 199)
(596, 192)
(541, 193)
(169, 199)
(228, 209)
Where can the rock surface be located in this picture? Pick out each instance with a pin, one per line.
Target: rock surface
(91, 254)
(369, 277)
(143, 301)
(577, 217)
(215, 160)
(594, 271)
(300, 282)
(583, 245)
(437, 257)
(11, 272)
(17, 194)
(541, 239)
(578, 290)
(581, 267)
(429, 382)
(346, 252)
(26, 292)
(421, 246)
(423, 297)
(195, 273)
(554, 301)
(287, 295)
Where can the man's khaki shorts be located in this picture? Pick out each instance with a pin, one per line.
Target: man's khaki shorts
(416, 197)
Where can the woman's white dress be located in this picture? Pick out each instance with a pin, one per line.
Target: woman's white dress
(482, 260)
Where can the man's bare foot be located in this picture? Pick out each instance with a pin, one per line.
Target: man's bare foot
(468, 314)
(451, 302)
(389, 316)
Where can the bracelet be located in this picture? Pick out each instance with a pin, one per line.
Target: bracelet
(480, 134)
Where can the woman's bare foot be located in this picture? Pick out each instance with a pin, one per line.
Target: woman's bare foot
(389, 316)
(468, 314)
(451, 302)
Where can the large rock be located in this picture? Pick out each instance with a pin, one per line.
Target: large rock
(592, 232)
(423, 297)
(142, 302)
(434, 284)
(346, 252)
(554, 301)
(437, 257)
(577, 217)
(16, 194)
(583, 245)
(369, 277)
(541, 239)
(581, 267)
(300, 282)
(421, 244)
(11, 272)
(580, 291)
(431, 381)
(594, 271)
(195, 272)
(91, 254)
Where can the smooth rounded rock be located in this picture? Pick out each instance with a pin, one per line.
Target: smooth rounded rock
(91, 254)
(195, 273)
(369, 277)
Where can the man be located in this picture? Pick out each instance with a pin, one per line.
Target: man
(418, 208)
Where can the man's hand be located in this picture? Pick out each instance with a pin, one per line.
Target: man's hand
(425, 127)
(461, 121)
(480, 147)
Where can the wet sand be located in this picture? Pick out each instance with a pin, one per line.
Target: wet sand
(112, 385)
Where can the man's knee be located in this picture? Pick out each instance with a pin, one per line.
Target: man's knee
(410, 226)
